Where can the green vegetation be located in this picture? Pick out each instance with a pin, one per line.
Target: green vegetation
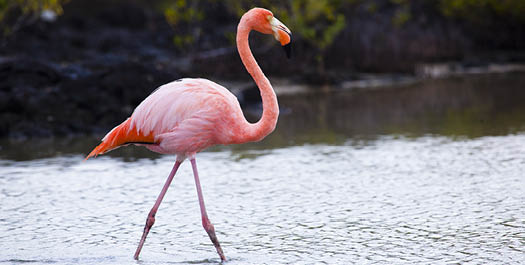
(181, 15)
(16, 13)
(316, 24)
(481, 10)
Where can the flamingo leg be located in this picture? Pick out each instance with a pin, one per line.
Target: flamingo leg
(208, 226)
(151, 216)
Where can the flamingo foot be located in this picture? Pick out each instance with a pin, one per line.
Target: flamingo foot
(210, 229)
(149, 223)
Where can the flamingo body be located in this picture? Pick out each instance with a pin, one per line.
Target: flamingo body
(182, 117)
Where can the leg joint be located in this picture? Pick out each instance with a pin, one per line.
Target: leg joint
(150, 221)
(208, 226)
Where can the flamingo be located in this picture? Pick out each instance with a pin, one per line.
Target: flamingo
(188, 115)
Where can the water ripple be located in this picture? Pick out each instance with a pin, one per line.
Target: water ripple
(424, 200)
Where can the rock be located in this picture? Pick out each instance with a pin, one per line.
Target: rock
(39, 100)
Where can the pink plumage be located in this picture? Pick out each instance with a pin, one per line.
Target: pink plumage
(188, 115)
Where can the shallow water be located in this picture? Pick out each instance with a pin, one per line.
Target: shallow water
(409, 179)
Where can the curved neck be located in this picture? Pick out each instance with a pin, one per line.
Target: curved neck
(257, 131)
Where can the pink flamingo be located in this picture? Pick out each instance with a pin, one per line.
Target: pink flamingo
(188, 115)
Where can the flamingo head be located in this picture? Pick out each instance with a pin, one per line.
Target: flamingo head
(265, 22)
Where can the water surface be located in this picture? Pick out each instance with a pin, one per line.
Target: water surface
(428, 173)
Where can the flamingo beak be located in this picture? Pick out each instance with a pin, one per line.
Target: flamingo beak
(283, 35)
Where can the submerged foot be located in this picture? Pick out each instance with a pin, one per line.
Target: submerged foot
(149, 223)
(211, 233)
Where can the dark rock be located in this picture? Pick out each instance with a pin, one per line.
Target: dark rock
(26, 73)
(85, 72)
(124, 15)
(38, 101)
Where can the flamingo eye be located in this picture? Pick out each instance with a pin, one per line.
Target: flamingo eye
(269, 17)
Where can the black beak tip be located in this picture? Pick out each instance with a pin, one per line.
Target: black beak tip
(288, 49)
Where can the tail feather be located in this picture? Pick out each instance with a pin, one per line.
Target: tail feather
(119, 136)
